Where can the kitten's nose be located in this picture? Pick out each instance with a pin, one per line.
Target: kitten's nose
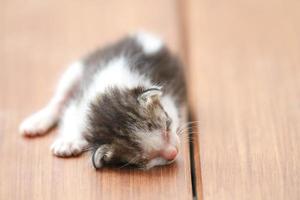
(169, 153)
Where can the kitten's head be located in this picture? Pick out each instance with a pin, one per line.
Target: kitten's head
(131, 127)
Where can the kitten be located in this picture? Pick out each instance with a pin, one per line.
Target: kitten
(122, 102)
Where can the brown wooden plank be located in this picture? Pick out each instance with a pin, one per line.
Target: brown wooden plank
(37, 39)
(245, 91)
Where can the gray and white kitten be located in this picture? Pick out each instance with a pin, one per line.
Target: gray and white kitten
(122, 102)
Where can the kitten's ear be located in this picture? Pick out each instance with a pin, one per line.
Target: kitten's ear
(101, 155)
(149, 96)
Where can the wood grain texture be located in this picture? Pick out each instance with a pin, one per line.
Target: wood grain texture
(244, 59)
(37, 39)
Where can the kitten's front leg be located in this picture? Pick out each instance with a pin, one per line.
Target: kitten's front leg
(70, 141)
(39, 123)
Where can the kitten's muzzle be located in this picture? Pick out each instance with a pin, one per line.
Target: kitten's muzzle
(169, 153)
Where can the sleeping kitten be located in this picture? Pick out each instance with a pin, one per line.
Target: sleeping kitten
(122, 102)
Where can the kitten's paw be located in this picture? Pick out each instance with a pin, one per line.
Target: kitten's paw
(38, 123)
(67, 148)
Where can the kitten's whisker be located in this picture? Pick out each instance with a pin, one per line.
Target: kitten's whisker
(88, 148)
(188, 125)
(129, 162)
(190, 133)
(187, 129)
(190, 140)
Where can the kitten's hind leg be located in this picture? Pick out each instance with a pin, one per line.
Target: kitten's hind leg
(70, 141)
(39, 123)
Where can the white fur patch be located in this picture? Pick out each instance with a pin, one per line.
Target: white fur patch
(67, 82)
(151, 141)
(150, 43)
(65, 148)
(70, 141)
(116, 73)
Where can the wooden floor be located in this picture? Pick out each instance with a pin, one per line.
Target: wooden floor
(244, 59)
(243, 69)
